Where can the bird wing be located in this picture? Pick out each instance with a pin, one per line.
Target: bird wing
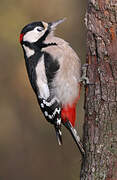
(52, 112)
(46, 70)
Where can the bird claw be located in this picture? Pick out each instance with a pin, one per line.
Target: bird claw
(84, 79)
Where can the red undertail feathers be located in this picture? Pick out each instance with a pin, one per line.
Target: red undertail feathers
(69, 112)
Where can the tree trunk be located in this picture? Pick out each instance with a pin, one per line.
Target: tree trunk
(100, 126)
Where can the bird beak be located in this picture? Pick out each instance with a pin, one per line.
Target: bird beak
(56, 23)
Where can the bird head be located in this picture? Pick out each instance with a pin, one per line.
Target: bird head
(35, 31)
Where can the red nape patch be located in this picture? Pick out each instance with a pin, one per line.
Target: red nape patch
(69, 113)
(21, 37)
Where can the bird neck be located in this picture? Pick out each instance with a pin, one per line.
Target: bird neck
(31, 49)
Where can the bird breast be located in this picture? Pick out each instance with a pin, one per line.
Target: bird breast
(65, 84)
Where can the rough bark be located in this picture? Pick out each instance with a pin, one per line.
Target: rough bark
(100, 126)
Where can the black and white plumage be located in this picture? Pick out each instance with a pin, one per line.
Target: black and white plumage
(54, 72)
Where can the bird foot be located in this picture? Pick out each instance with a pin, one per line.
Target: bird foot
(84, 79)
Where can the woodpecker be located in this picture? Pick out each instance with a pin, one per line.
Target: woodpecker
(54, 71)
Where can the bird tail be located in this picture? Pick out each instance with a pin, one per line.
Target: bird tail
(75, 136)
(58, 134)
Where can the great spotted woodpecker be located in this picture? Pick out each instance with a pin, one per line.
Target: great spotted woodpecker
(54, 71)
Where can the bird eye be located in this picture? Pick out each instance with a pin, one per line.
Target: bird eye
(40, 29)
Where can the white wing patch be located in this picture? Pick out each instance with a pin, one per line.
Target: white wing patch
(29, 52)
(42, 80)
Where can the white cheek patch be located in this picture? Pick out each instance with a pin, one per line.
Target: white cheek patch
(29, 52)
(33, 36)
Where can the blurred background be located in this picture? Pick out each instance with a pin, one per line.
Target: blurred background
(28, 146)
